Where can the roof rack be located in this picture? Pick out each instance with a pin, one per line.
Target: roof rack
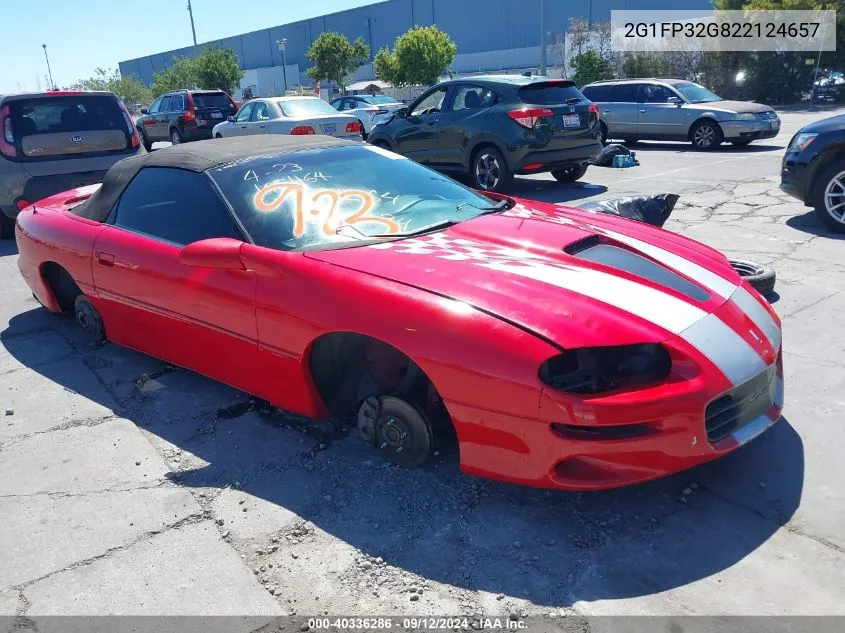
(605, 81)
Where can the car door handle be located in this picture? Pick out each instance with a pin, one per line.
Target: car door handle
(642, 111)
(105, 259)
(262, 126)
(436, 121)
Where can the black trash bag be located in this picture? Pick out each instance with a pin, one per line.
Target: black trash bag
(605, 159)
(649, 209)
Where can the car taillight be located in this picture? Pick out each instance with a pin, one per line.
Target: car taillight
(133, 132)
(594, 108)
(191, 113)
(7, 139)
(353, 127)
(528, 117)
(22, 204)
(303, 129)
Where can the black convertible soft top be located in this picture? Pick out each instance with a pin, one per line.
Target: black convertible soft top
(198, 156)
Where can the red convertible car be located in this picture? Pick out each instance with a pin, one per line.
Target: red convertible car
(562, 348)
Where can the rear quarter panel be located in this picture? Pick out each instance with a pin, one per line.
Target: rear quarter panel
(51, 235)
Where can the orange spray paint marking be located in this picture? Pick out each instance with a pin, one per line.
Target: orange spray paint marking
(335, 197)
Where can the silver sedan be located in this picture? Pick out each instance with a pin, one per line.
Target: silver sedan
(289, 115)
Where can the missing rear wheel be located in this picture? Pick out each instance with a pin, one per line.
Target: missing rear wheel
(89, 319)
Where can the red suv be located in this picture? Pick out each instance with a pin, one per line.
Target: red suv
(184, 115)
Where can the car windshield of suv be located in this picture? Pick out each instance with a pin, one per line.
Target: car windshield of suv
(695, 93)
(378, 99)
(341, 195)
(306, 107)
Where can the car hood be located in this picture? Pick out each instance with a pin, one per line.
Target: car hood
(533, 266)
(830, 124)
(732, 106)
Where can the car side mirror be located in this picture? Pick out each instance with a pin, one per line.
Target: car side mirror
(402, 112)
(144, 111)
(217, 252)
(674, 100)
(230, 119)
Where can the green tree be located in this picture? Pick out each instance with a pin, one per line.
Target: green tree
(214, 68)
(420, 56)
(771, 76)
(334, 57)
(218, 68)
(129, 89)
(181, 74)
(589, 67)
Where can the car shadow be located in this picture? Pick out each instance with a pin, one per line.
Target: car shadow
(810, 223)
(8, 247)
(681, 147)
(552, 548)
(553, 191)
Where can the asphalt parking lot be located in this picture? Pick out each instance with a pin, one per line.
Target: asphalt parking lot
(131, 487)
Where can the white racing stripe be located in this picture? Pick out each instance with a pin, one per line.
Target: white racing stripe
(707, 278)
(757, 313)
(725, 348)
(761, 423)
(657, 307)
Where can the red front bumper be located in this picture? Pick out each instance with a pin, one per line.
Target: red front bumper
(668, 435)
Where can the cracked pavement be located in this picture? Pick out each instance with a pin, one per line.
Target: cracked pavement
(131, 487)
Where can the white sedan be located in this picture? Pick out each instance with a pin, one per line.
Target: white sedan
(289, 115)
(368, 109)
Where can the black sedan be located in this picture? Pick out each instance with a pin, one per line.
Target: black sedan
(492, 127)
(813, 170)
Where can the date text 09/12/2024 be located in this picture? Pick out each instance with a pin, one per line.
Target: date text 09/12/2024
(416, 623)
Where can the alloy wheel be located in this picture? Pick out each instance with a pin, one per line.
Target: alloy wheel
(487, 171)
(834, 197)
(704, 136)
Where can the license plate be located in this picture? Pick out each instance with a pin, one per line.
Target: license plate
(201, 121)
(216, 115)
(329, 129)
(571, 120)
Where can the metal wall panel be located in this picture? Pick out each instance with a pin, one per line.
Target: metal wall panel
(476, 26)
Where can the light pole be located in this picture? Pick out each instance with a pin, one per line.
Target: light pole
(542, 40)
(193, 31)
(282, 44)
(50, 72)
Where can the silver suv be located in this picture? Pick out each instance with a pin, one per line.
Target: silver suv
(677, 110)
(58, 140)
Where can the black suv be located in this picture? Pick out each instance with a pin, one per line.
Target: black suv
(184, 115)
(494, 126)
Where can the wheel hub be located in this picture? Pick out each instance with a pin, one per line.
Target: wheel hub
(392, 433)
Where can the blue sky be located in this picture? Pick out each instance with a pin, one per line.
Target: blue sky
(105, 32)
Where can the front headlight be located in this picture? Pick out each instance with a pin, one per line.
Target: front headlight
(600, 369)
(745, 116)
(801, 141)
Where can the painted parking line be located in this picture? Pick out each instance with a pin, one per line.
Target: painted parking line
(680, 169)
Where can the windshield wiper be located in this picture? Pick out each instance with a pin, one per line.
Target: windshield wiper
(572, 100)
(501, 205)
(445, 224)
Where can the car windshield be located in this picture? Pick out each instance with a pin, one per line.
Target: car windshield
(695, 93)
(306, 107)
(340, 195)
(377, 99)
